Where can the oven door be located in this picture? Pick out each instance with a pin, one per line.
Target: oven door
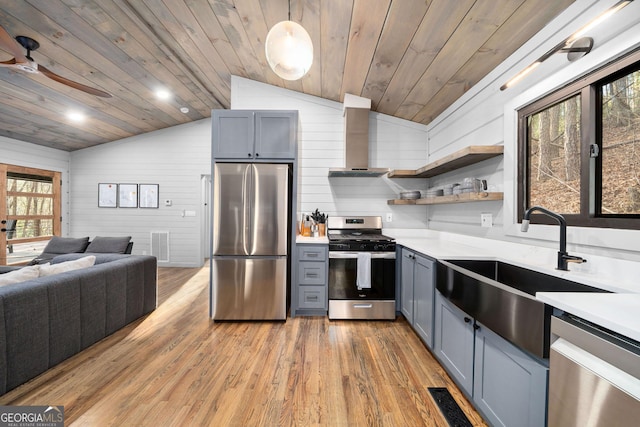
(343, 267)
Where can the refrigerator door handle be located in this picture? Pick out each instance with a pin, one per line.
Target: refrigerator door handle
(247, 187)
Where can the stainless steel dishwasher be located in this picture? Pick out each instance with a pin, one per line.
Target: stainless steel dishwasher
(594, 376)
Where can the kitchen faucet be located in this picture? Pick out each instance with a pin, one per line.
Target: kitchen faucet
(563, 256)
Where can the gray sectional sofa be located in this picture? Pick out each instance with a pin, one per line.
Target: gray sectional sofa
(46, 320)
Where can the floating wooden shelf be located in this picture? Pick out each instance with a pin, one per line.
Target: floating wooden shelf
(456, 198)
(465, 157)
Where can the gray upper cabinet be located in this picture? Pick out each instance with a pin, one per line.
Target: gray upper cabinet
(276, 134)
(254, 135)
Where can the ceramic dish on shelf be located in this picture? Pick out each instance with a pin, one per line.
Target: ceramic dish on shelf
(410, 195)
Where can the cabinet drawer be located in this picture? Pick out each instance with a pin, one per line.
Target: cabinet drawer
(312, 253)
(312, 297)
(312, 273)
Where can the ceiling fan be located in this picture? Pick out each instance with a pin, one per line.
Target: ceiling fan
(25, 63)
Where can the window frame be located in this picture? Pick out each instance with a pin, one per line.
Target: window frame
(56, 197)
(588, 87)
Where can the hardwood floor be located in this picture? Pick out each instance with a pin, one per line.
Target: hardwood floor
(177, 367)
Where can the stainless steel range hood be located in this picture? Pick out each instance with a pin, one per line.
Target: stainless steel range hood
(356, 126)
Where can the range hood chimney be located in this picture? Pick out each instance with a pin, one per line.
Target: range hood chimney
(356, 134)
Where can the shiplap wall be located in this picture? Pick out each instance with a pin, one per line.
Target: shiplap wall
(487, 116)
(175, 158)
(20, 153)
(393, 143)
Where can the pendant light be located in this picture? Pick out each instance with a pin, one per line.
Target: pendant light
(288, 49)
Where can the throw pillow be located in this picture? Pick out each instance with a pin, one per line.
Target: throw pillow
(111, 245)
(17, 276)
(49, 269)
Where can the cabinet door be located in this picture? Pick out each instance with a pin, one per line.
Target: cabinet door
(276, 134)
(423, 289)
(509, 387)
(406, 285)
(232, 134)
(454, 342)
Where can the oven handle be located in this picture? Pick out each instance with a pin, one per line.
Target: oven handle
(354, 255)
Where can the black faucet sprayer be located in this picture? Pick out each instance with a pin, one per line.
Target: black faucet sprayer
(563, 256)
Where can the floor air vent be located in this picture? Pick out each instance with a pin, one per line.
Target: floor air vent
(449, 407)
(160, 245)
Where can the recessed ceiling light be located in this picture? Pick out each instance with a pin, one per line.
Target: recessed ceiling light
(76, 116)
(163, 94)
(184, 110)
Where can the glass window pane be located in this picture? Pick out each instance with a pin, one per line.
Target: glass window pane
(29, 205)
(30, 185)
(553, 144)
(621, 145)
(25, 229)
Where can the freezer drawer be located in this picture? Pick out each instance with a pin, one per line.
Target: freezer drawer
(249, 288)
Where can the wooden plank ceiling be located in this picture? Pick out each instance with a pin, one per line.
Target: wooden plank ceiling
(412, 58)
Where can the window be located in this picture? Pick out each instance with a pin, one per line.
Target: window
(30, 206)
(579, 150)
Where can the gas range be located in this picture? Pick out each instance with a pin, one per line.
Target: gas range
(361, 269)
(362, 234)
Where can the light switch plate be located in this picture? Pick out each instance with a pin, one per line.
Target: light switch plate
(389, 217)
(486, 220)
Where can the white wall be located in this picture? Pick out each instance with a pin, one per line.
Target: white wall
(487, 116)
(394, 143)
(15, 152)
(176, 158)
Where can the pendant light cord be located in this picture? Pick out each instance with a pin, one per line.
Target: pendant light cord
(289, 10)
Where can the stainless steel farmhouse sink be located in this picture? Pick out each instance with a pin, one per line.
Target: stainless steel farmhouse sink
(501, 296)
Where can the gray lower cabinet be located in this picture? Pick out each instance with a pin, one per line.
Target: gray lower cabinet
(509, 387)
(423, 298)
(506, 385)
(453, 344)
(310, 293)
(252, 135)
(406, 284)
(417, 291)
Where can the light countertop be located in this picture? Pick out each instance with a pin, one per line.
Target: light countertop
(323, 240)
(617, 311)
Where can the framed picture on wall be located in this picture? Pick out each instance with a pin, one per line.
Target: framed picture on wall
(107, 195)
(149, 195)
(128, 195)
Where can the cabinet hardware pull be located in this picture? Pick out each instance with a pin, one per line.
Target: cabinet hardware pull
(467, 320)
(312, 274)
(475, 326)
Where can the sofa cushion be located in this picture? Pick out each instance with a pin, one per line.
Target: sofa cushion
(49, 269)
(66, 245)
(61, 245)
(20, 275)
(113, 245)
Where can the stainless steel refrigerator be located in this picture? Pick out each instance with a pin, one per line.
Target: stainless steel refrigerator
(250, 241)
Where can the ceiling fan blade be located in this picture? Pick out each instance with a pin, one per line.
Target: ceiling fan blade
(8, 44)
(9, 63)
(71, 83)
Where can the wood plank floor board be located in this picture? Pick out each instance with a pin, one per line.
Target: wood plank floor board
(176, 367)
